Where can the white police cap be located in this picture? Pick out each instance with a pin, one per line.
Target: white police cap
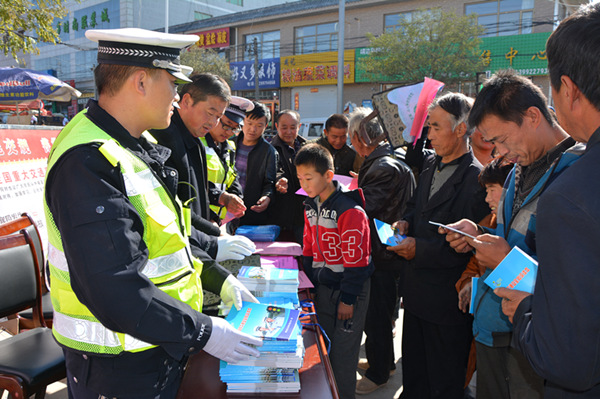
(144, 48)
(237, 108)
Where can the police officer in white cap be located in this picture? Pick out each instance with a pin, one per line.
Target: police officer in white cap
(220, 157)
(126, 282)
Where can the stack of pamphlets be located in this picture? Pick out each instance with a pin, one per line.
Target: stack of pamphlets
(276, 369)
(261, 279)
(244, 379)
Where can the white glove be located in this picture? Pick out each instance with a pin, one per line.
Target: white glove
(234, 247)
(229, 344)
(233, 292)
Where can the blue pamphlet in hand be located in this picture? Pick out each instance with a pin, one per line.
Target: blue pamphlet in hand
(516, 271)
(387, 234)
(474, 281)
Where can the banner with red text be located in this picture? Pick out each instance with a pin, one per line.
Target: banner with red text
(23, 161)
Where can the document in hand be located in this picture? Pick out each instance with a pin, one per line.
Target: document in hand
(474, 281)
(386, 233)
(516, 271)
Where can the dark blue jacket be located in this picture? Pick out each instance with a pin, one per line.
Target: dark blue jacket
(558, 328)
(490, 326)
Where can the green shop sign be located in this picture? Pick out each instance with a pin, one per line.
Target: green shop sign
(524, 53)
(362, 76)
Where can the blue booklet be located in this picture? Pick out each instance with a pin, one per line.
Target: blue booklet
(268, 322)
(386, 233)
(474, 281)
(516, 271)
(266, 233)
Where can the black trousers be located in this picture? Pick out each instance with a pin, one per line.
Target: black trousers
(149, 374)
(504, 373)
(379, 324)
(434, 358)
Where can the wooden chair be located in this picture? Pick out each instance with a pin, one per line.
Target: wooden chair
(31, 360)
(26, 222)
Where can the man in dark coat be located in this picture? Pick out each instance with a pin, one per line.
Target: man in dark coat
(557, 327)
(335, 137)
(387, 185)
(202, 103)
(436, 335)
(288, 210)
(256, 162)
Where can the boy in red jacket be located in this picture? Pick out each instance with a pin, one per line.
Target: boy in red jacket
(337, 258)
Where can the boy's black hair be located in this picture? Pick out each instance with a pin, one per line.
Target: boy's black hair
(316, 156)
(259, 111)
(573, 50)
(495, 172)
(508, 95)
(339, 121)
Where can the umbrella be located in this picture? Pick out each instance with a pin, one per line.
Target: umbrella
(19, 84)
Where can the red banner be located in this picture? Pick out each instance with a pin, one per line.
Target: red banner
(23, 162)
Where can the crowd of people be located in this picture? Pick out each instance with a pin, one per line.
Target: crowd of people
(144, 197)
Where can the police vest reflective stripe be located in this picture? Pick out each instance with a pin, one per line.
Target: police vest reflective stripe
(217, 174)
(170, 264)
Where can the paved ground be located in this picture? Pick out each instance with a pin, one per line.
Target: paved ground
(391, 390)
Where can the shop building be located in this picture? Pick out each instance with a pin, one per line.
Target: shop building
(303, 37)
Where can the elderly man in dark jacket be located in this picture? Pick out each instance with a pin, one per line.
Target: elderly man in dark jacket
(288, 211)
(387, 185)
(436, 335)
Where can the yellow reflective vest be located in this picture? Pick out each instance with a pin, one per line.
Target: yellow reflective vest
(170, 266)
(217, 173)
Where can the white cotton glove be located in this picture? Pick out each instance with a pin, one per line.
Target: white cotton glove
(228, 344)
(234, 247)
(233, 292)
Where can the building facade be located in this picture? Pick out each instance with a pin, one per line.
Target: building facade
(296, 46)
(291, 47)
(74, 59)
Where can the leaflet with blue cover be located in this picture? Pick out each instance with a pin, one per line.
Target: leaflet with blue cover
(516, 271)
(474, 281)
(386, 233)
(268, 322)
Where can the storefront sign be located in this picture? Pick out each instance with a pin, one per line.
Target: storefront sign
(215, 38)
(524, 53)
(362, 76)
(315, 69)
(243, 74)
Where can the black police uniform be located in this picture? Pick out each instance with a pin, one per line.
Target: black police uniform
(106, 252)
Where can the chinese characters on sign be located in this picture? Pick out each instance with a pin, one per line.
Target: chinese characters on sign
(243, 74)
(23, 164)
(315, 69)
(511, 54)
(524, 53)
(213, 38)
(82, 23)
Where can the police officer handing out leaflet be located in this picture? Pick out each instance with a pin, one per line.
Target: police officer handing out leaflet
(126, 281)
(220, 156)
